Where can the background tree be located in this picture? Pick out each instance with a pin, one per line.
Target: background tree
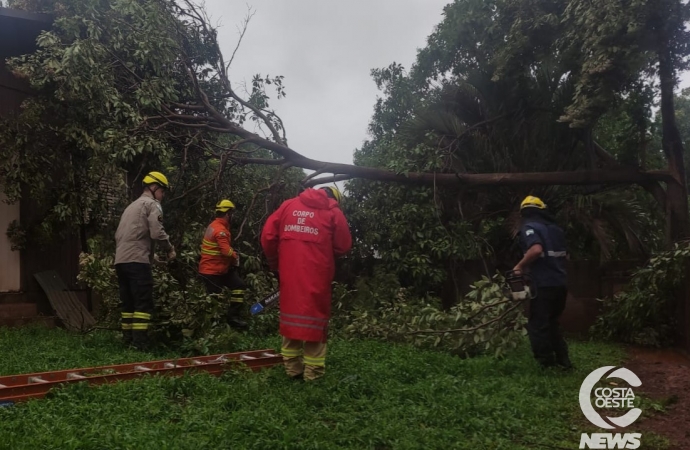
(487, 95)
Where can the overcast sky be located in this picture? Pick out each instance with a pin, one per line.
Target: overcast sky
(326, 50)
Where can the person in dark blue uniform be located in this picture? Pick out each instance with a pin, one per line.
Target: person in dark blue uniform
(543, 245)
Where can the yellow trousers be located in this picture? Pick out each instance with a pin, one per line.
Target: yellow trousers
(304, 358)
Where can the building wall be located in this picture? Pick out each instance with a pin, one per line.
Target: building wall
(17, 268)
(12, 92)
(9, 259)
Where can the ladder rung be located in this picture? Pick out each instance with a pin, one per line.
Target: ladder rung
(75, 376)
(37, 385)
(35, 380)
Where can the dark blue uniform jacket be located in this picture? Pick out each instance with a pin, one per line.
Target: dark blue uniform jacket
(549, 269)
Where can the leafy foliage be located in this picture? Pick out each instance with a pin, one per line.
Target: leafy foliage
(101, 75)
(485, 321)
(500, 87)
(185, 315)
(645, 312)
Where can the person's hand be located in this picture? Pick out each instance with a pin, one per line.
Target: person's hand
(237, 259)
(157, 261)
(171, 253)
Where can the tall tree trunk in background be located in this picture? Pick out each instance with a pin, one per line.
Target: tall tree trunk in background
(677, 220)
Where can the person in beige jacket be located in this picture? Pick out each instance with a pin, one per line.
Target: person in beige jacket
(140, 228)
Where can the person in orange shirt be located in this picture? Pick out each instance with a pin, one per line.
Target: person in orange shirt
(219, 263)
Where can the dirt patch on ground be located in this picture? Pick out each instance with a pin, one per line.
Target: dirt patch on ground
(665, 376)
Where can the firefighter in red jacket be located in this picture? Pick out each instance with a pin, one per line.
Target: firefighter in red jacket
(301, 240)
(219, 263)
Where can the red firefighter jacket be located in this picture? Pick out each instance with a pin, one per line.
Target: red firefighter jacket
(302, 239)
(216, 253)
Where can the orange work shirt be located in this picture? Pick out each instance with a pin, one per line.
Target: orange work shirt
(216, 253)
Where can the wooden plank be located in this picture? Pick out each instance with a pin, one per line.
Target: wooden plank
(74, 309)
(65, 303)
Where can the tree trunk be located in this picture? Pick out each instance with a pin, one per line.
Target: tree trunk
(677, 220)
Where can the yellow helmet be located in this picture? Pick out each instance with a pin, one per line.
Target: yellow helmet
(335, 193)
(532, 202)
(224, 206)
(156, 177)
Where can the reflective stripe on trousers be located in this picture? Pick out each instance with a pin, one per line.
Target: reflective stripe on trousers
(140, 320)
(127, 320)
(304, 357)
(237, 296)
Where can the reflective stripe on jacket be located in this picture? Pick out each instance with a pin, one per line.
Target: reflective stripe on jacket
(141, 225)
(216, 253)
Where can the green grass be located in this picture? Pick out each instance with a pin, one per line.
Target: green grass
(374, 396)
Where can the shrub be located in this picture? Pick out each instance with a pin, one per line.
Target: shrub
(185, 315)
(485, 321)
(645, 312)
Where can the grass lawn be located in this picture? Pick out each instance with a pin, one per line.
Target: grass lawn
(374, 396)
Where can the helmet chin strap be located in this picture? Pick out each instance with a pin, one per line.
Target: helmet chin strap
(153, 191)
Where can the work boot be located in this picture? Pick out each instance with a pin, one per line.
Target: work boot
(140, 340)
(127, 337)
(233, 316)
(545, 361)
(562, 357)
(565, 364)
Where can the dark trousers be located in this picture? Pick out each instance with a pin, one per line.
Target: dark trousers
(544, 331)
(136, 300)
(230, 280)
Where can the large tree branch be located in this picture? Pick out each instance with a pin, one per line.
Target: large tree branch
(653, 187)
(260, 161)
(221, 69)
(470, 329)
(606, 157)
(215, 121)
(585, 177)
(323, 180)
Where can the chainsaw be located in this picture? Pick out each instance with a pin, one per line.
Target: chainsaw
(520, 285)
(265, 303)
